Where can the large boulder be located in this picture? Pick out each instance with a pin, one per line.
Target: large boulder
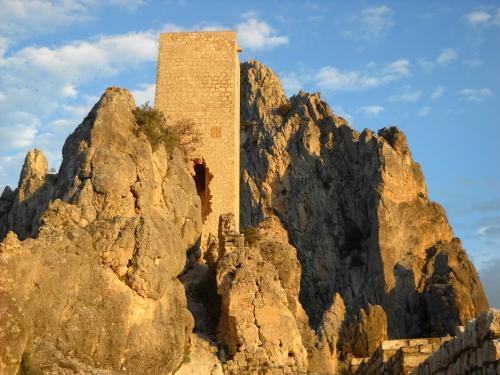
(96, 290)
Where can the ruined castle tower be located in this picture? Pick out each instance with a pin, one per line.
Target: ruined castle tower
(199, 80)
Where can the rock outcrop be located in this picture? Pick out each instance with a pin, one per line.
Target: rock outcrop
(96, 290)
(356, 208)
(23, 208)
(258, 327)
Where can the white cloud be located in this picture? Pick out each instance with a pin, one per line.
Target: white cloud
(370, 110)
(477, 17)
(446, 56)
(44, 76)
(145, 93)
(257, 35)
(334, 79)
(399, 67)
(424, 111)
(475, 95)
(438, 92)
(407, 96)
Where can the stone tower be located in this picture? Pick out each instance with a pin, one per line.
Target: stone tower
(199, 80)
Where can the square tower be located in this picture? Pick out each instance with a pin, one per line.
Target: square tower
(199, 80)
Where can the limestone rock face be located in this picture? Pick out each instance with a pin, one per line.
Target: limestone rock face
(355, 206)
(96, 290)
(30, 200)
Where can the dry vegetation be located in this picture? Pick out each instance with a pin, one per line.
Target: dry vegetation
(182, 134)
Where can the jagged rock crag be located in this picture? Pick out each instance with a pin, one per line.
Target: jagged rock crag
(356, 207)
(96, 291)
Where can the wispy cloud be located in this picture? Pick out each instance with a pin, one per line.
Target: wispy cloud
(477, 17)
(370, 110)
(377, 19)
(372, 22)
(483, 17)
(408, 95)
(475, 95)
(20, 18)
(255, 34)
(424, 111)
(446, 56)
(335, 79)
(427, 65)
(438, 92)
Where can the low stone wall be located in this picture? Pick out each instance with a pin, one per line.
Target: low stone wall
(474, 351)
(395, 357)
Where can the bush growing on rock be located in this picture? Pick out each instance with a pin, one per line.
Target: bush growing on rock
(182, 134)
(252, 235)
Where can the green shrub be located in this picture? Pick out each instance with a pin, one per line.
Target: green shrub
(182, 134)
(252, 235)
(284, 109)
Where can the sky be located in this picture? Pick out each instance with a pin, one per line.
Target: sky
(429, 67)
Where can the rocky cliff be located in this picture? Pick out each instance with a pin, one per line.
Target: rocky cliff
(356, 208)
(96, 290)
(101, 270)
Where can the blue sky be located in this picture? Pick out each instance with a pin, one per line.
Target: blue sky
(429, 67)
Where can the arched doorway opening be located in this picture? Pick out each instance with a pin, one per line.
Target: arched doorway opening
(202, 178)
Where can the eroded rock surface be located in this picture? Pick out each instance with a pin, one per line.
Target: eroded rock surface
(355, 206)
(96, 290)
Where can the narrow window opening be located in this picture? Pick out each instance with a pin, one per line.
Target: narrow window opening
(202, 178)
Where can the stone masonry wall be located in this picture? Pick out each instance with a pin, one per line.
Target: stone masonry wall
(395, 357)
(474, 351)
(199, 79)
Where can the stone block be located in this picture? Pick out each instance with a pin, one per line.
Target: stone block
(393, 344)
